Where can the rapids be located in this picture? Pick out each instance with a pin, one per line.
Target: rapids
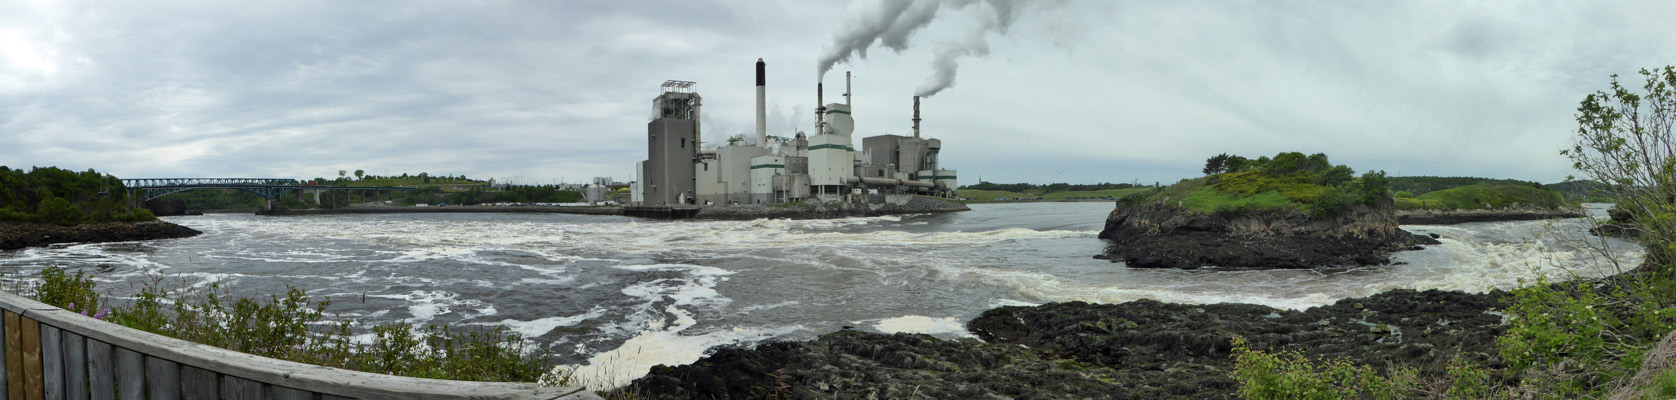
(616, 295)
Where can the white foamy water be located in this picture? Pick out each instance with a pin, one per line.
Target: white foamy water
(615, 296)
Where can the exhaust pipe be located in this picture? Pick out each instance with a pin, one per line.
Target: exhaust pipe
(916, 117)
(762, 110)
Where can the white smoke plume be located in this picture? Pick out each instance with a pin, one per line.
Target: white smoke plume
(890, 23)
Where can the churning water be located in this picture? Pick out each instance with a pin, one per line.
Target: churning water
(617, 295)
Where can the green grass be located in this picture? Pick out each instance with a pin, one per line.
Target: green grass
(991, 195)
(1201, 195)
(1210, 200)
(1662, 387)
(1074, 194)
(1484, 196)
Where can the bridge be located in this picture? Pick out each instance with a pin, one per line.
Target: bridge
(147, 189)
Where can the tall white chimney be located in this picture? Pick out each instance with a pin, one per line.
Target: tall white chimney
(847, 100)
(762, 110)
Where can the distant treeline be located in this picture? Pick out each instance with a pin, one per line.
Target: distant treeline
(65, 197)
(509, 194)
(218, 199)
(1048, 188)
(1419, 185)
(1586, 191)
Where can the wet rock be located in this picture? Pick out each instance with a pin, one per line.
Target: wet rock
(16, 236)
(1139, 349)
(1449, 217)
(1163, 236)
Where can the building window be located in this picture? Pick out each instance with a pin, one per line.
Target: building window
(683, 143)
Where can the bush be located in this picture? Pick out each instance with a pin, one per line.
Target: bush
(1579, 338)
(294, 327)
(57, 210)
(1290, 375)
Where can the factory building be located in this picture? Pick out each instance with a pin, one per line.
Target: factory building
(824, 166)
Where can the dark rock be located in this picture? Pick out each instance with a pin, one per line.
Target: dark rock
(1164, 236)
(1620, 223)
(1140, 349)
(17, 236)
(166, 207)
(1449, 217)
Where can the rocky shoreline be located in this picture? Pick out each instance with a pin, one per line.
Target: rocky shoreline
(818, 210)
(1159, 235)
(1139, 349)
(1449, 217)
(370, 209)
(15, 236)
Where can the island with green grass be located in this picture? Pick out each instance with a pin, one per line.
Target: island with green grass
(1288, 211)
(1431, 200)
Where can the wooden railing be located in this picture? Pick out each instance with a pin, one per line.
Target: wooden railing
(51, 353)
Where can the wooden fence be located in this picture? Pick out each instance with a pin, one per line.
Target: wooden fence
(51, 353)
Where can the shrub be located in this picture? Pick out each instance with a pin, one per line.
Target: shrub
(1290, 375)
(294, 327)
(57, 210)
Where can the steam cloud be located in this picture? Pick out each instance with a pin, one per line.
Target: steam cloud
(891, 22)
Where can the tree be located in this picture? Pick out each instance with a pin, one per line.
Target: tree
(1216, 164)
(1624, 140)
(359, 174)
(1237, 164)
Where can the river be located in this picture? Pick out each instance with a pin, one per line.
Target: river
(617, 295)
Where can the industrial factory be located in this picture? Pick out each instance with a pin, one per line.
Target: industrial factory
(680, 170)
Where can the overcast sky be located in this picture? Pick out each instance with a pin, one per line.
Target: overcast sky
(1078, 91)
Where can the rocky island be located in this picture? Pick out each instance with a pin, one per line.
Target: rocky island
(45, 206)
(1291, 211)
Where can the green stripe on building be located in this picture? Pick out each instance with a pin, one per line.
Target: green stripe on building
(768, 166)
(935, 177)
(830, 146)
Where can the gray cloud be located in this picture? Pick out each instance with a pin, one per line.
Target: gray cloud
(1078, 92)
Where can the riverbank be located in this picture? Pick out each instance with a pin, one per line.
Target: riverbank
(370, 209)
(1450, 217)
(15, 236)
(1138, 349)
(819, 210)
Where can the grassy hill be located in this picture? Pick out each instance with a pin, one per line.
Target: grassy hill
(1309, 184)
(1484, 196)
(992, 195)
(1093, 194)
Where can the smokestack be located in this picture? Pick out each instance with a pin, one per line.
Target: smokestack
(820, 107)
(762, 110)
(847, 100)
(916, 117)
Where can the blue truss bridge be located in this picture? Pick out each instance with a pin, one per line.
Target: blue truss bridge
(147, 189)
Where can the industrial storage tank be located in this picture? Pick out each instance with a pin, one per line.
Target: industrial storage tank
(946, 179)
(763, 171)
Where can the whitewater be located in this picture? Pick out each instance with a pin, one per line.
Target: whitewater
(614, 296)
